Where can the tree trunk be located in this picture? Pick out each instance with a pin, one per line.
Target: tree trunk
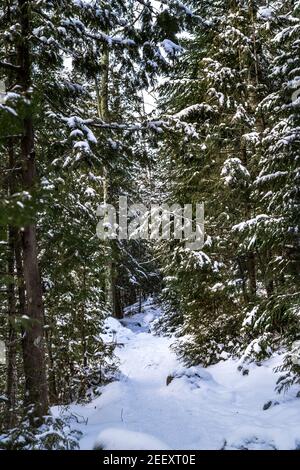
(33, 342)
(11, 373)
(241, 267)
(82, 323)
(11, 377)
(140, 300)
(251, 260)
(252, 274)
(113, 292)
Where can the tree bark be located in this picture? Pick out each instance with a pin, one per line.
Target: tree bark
(11, 372)
(82, 323)
(11, 377)
(33, 340)
(113, 292)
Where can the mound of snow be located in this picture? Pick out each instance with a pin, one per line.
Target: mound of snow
(115, 332)
(122, 439)
(255, 437)
(192, 375)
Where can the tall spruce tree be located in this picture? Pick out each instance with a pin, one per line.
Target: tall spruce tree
(233, 106)
(214, 100)
(276, 230)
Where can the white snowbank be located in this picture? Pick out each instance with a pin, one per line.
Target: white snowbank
(122, 439)
(214, 408)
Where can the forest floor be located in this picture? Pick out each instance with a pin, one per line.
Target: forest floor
(213, 408)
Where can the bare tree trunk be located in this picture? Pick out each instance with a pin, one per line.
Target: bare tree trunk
(113, 292)
(22, 310)
(103, 92)
(11, 374)
(251, 260)
(33, 342)
(11, 377)
(82, 323)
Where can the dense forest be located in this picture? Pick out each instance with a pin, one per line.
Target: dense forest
(175, 102)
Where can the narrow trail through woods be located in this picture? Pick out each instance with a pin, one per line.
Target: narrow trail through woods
(210, 408)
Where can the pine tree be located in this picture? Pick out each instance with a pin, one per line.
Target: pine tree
(213, 99)
(53, 57)
(277, 185)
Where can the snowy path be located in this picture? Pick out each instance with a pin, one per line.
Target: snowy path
(214, 409)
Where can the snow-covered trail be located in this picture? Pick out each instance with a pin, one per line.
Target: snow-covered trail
(210, 408)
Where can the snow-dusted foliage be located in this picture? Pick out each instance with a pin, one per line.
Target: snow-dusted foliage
(73, 134)
(169, 101)
(237, 87)
(54, 434)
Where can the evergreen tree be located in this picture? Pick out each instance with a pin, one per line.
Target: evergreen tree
(276, 230)
(213, 98)
(70, 116)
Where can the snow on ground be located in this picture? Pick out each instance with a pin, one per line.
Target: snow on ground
(214, 408)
